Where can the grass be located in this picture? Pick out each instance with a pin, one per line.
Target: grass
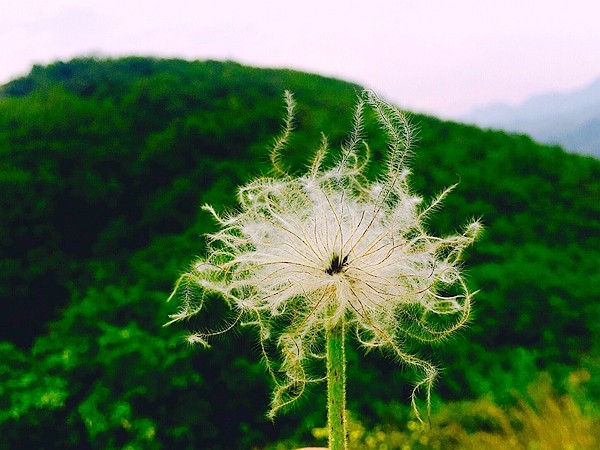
(543, 420)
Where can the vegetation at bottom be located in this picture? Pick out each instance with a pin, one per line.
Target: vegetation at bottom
(103, 167)
(541, 419)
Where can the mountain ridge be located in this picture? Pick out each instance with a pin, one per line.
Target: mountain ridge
(564, 118)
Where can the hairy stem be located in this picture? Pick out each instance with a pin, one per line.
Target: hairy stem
(336, 387)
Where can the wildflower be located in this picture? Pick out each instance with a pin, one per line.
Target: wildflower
(303, 254)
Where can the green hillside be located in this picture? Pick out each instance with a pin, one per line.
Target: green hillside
(103, 167)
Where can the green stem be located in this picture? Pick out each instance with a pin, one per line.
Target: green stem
(336, 387)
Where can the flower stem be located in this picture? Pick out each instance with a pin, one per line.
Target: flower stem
(336, 387)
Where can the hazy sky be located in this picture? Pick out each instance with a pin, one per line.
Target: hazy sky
(442, 57)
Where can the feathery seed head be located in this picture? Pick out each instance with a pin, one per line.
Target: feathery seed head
(304, 252)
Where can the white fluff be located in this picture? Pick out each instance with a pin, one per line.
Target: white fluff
(304, 252)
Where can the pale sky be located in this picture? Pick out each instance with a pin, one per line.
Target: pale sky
(443, 57)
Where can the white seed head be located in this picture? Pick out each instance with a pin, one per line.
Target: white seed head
(304, 252)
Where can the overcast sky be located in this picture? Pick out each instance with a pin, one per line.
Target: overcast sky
(443, 57)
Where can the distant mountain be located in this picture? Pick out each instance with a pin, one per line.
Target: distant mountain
(571, 119)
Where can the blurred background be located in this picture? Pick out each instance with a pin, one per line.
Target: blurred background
(118, 120)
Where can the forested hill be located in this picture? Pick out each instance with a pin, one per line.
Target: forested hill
(103, 167)
(98, 157)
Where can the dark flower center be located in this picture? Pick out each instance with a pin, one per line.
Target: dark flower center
(337, 264)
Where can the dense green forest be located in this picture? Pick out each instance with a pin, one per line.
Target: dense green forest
(103, 167)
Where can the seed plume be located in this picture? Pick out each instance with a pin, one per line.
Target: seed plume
(303, 252)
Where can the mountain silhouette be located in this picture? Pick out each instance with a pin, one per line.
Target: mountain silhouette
(571, 120)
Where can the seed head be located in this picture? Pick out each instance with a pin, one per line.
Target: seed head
(305, 252)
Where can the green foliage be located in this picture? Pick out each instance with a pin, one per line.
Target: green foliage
(103, 167)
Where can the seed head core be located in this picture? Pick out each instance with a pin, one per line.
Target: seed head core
(337, 265)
